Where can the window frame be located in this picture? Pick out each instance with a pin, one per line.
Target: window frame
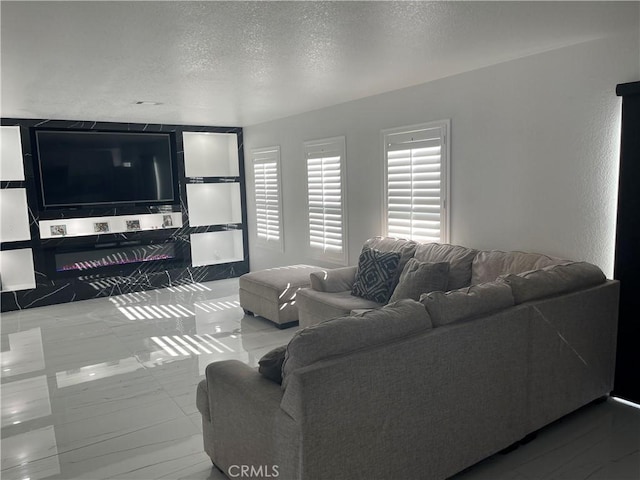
(264, 155)
(445, 172)
(313, 147)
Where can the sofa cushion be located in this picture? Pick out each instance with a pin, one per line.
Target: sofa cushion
(279, 284)
(270, 365)
(459, 259)
(553, 280)
(473, 301)
(341, 335)
(327, 305)
(421, 277)
(489, 265)
(376, 274)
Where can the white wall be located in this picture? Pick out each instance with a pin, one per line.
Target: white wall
(534, 154)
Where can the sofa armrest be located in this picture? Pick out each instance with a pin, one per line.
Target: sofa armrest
(333, 280)
(248, 425)
(230, 378)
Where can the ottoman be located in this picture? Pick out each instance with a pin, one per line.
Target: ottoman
(271, 293)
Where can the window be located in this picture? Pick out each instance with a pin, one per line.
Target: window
(326, 203)
(417, 182)
(266, 174)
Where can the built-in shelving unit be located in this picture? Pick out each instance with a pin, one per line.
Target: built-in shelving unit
(16, 264)
(61, 255)
(213, 178)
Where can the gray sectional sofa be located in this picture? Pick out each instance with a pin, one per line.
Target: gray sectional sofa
(419, 389)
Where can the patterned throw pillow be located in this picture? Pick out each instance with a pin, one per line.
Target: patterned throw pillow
(376, 274)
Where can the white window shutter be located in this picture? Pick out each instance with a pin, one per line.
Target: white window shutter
(268, 203)
(326, 206)
(416, 167)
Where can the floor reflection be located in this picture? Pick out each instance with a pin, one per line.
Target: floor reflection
(91, 373)
(24, 400)
(31, 455)
(25, 353)
(105, 388)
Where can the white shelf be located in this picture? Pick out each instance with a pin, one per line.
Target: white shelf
(16, 267)
(213, 248)
(208, 154)
(11, 166)
(214, 203)
(81, 227)
(14, 215)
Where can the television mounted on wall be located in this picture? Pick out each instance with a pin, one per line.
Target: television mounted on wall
(91, 168)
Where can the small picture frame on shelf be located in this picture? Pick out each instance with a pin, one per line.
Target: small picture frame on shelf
(167, 221)
(58, 230)
(133, 225)
(101, 227)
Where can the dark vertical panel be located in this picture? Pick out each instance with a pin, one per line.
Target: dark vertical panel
(627, 260)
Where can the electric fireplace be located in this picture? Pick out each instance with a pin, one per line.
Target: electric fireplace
(121, 257)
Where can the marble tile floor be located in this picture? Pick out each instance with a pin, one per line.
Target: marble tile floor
(105, 389)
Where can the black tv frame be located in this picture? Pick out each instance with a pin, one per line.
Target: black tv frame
(98, 207)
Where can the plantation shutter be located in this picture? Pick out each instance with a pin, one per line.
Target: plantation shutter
(325, 197)
(266, 167)
(416, 182)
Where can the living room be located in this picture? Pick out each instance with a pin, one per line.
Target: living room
(528, 95)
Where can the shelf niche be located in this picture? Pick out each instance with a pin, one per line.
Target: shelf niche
(11, 166)
(208, 154)
(213, 248)
(80, 227)
(14, 221)
(17, 270)
(214, 203)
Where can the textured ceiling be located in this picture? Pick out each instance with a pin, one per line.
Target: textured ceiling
(241, 63)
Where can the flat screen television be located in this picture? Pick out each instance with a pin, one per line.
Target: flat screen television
(100, 168)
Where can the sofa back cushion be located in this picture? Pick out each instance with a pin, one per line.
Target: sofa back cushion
(553, 280)
(459, 259)
(449, 307)
(489, 265)
(421, 277)
(341, 335)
